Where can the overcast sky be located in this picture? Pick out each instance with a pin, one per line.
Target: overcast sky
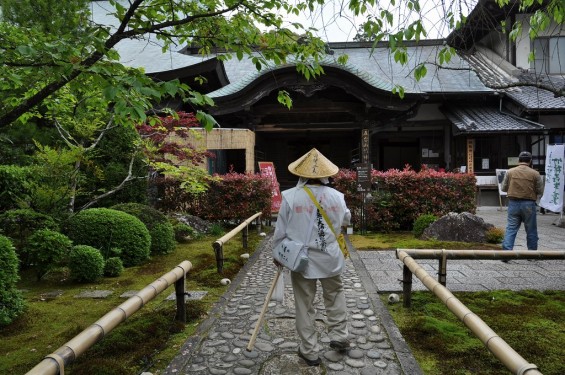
(336, 23)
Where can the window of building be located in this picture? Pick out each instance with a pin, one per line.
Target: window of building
(549, 55)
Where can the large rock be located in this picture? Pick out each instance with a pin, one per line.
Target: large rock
(202, 226)
(463, 227)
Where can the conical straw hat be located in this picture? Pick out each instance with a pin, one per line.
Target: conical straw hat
(313, 165)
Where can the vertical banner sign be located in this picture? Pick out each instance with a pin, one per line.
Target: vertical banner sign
(552, 198)
(365, 145)
(470, 155)
(268, 170)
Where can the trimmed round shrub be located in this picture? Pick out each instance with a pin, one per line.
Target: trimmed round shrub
(20, 224)
(86, 264)
(12, 303)
(105, 229)
(160, 229)
(184, 232)
(422, 222)
(113, 267)
(47, 249)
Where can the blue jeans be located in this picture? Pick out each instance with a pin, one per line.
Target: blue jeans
(521, 212)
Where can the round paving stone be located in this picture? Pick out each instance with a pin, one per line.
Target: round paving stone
(355, 363)
(380, 364)
(253, 354)
(242, 371)
(358, 324)
(333, 356)
(335, 366)
(215, 371)
(246, 363)
(355, 354)
(373, 354)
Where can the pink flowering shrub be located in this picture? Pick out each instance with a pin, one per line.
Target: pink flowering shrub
(402, 196)
(230, 196)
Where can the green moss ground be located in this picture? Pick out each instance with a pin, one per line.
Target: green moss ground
(148, 340)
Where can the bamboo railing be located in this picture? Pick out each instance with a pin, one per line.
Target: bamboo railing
(218, 245)
(55, 362)
(496, 345)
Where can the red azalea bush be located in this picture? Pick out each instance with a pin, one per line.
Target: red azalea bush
(402, 196)
(230, 196)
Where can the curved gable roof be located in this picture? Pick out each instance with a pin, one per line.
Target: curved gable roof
(376, 68)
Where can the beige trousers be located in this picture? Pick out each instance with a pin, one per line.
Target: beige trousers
(336, 311)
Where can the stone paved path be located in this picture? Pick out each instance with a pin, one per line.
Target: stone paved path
(220, 346)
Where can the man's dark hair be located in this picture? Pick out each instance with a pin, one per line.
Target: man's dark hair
(525, 157)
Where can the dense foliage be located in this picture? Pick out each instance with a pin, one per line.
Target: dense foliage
(233, 196)
(15, 187)
(11, 300)
(20, 224)
(106, 229)
(402, 196)
(158, 225)
(47, 249)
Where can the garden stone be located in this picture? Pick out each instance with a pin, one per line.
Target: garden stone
(463, 227)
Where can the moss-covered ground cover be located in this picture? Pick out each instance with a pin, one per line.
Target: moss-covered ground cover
(148, 340)
(531, 322)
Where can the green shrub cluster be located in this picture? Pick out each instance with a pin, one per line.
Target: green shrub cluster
(15, 187)
(422, 222)
(232, 196)
(184, 232)
(402, 196)
(11, 300)
(47, 249)
(106, 229)
(160, 229)
(20, 224)
(86, 264)
(113, 267)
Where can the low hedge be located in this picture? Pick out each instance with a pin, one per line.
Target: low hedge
(232, 196)
(400, 197)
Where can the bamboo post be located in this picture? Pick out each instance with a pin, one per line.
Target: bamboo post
(406, 286)
(245, 236)
(219, 243)
(442, 274)
(181, 306)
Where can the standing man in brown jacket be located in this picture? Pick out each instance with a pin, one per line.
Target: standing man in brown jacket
(523, 185)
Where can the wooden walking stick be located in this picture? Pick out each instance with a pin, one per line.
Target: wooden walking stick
(263, 311)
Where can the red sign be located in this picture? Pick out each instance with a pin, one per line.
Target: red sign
(268, 170)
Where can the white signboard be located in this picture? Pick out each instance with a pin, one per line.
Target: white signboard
(500, 173)
(552, 198)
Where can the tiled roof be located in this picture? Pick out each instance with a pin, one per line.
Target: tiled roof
(378, 69)
(533, 98)
(143, 52)
(514, 86)
(475, 119)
